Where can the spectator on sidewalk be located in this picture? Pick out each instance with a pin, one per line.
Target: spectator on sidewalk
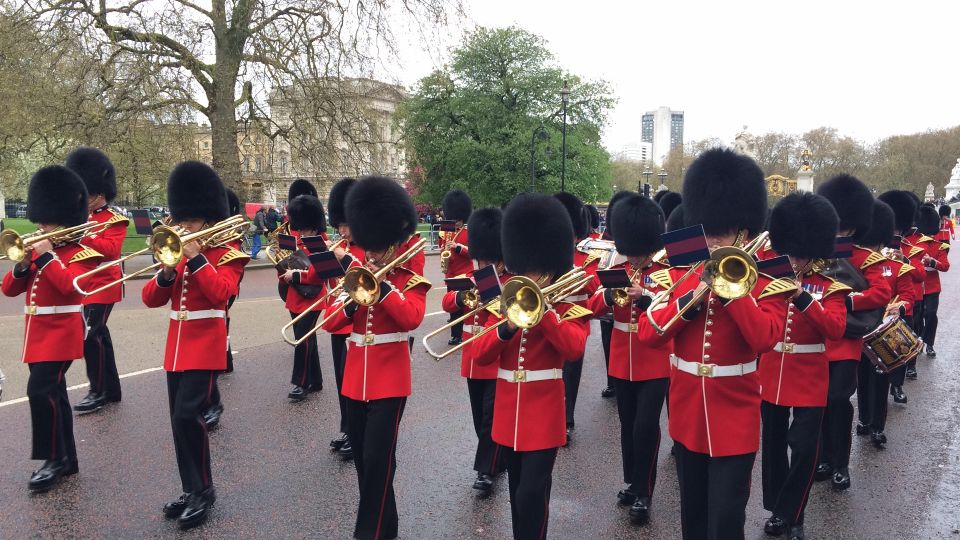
(272, 219)
(259, 226)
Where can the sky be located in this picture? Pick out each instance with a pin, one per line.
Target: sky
(869, 69)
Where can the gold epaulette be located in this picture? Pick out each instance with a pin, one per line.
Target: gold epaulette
(494, 309)
(231, 255)
(84, 254)
(872, 259)
(575, 312)
(777, 286)
(836, 286)
(914, 251)
(944, 246)
(415, 280)
(924, 238)
(662, 278)
(904, 269)
(117, 218)
(589, 260)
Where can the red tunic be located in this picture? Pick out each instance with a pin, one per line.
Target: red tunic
(938, 251)
(529, 415)
(109, 243)
(918, 275)
(198, 297)
(460, 261)
(297, 303)
(946, 230)
(877, 294)
(899, 277)
(469, 367)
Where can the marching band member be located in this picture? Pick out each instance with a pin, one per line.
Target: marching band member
(794, 376)
(457, 207)
(854, 205)
(484, 247)
(606, 321)
(669, 201)
(593, 214)
(53, 334)
(198, 290)
(376, 379)
(714, 397)
(537, 239)
(94, 167)
(640, 373)
(947, 231)
(935, 261)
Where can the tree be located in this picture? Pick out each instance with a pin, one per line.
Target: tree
(470, 125)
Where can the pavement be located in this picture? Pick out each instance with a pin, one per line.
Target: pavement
(275, 476)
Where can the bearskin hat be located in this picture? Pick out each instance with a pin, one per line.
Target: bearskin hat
(725, 191)
(380, 213)
(903, 206)
(194, 191)
(457, 205)
(594, 216)
(96, 171)
(675, 219)
(306, 212)
(233, 203)
(659, 195)
(574, 207)
(537, 235)
(57, 196)
(483, 239)
(639, 224)
(804, 225)
(300, 187)
(853, 202)
(669, 201)
(945, 210)
(335, 204)
(928, 220)
(613, 200)
(881, 228)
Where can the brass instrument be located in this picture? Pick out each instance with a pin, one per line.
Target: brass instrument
(620, 296)
(274, 253)
(360, 284)
(14, 246)
(446, 253)
(894, 255)
(166, 243)
(730, 273)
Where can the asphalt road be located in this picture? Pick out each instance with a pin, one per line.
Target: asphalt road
(275, 476)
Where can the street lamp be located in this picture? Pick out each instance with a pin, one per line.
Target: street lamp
(662, 175)
(540, 133)
(647, 173)
(564, 96)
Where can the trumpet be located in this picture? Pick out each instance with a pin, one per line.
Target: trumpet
(730, 273)
(166, 243)
(360, 284)
(620, 297)
(14, 246)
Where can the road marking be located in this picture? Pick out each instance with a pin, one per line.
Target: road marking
(434, 313)
(85, 385)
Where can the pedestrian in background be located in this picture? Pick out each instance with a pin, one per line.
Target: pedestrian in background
(272, 219)
(259, 226)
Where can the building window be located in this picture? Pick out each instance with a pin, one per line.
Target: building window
(259, 164)
(206, 145)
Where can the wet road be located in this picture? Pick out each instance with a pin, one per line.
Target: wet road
(275, 476)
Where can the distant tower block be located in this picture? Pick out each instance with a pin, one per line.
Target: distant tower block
(805, 174)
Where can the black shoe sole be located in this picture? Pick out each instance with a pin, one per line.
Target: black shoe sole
(88, 411)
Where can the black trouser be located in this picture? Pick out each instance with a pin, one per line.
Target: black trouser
(931, 303)
(838, 416)
(373, 427)
(306, 358)
(918, 326)
(489, 458)
(639, 404)
(571, 387)
(530, 477)
(215, 398)
(606, 332)
(338, 349)
(873, 389)
(787, 481)
(898, 375)
(98, 352)
(50, 414)
(456, 331)
(190, 394)
(713, 494)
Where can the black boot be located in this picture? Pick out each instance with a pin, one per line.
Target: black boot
(878, 438)
(930, 352)
(608, 392)
(626, 497)
(48, 475)
(212, 417)
(346, 450)
(862, 429)
(483, 483)
(174, 509)
(796, 533)
(898, 395)
(911, 373)
(92, 402)
(774, 526)
(454, 341)
(198, 506)
(824, 471)
(299, 393)
(841, 480)
(640, 511)
(337, 443)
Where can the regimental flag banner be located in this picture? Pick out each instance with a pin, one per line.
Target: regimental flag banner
(896, 242)
(326, 265)
(287, 242)
(314, 244)
(614, 279)
(843, 247)
(686, 246)
(488, 283)
(141, 222)
(447, 225)
(777, 267)
(461, 283)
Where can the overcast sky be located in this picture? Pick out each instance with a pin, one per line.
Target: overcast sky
(869, 69)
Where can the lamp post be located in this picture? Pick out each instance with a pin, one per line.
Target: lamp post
(540, 133)
(647, 173)
(564, 96)
(662, 175)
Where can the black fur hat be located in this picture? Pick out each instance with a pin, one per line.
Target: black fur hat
(96, 171)
(804, 225)
(903, 206)
(335, 204)
(639, 224)
(725, 191)
(194, 191)
(881, 228)
(574, 207)
(300, 187)
(669, 201)
(57, 196)
(853, 202)
(945, 210)
(457, 205)
(613, 200)
(928, 220)
(537, 235)
(675, 219)
(483, 238)
(306, 212)
(659, 195)
(233, 203)
(380, 213)
(594, 216)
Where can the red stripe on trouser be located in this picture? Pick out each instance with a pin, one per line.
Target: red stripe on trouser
(306, 367)
(386, 483)
(203, 425)
(653, 466)
(56, 416)
(546, 516)
(816, 459)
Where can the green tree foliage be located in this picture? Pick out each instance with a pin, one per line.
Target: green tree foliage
(470, 124)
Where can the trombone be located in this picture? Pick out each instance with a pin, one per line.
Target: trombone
(166, 243)
(361, 285)
(730, 273)
(14, 245)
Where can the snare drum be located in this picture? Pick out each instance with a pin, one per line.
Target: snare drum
(891, 345)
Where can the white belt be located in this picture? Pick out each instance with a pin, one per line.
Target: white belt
(712, 370)
(184, 315)
(576, 298)
(468, 328)
(363, 340)
(625, 327)
(51, 310)
(528, 375)
(797, 348)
